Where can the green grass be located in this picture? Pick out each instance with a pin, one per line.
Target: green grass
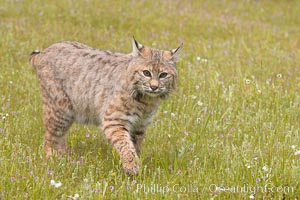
(233, 122)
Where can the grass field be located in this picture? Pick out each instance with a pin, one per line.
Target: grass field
(231, 131)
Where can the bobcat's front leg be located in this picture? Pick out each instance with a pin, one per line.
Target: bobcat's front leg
(137, 138)
(118, 135)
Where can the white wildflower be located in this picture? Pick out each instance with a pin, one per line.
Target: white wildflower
(251, 196)
(52, 182)
(247, 81)
(279, 75)
(55, 184)
(204, 60)
(265, 168)
(76, 196)
(58, 184)
(297, 153)
(172, 114)
(293, 146)
(199, 103)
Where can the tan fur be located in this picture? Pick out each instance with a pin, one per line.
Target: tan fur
(111, 90)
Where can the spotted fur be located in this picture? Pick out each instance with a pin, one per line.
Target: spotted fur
(118, 92)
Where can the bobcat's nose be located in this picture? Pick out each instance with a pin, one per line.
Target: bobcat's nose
(153, 87)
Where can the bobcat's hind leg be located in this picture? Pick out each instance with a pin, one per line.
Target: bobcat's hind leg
(56, 123)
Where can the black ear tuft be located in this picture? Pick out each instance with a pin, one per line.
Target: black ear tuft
(176, 52)
(136, 47)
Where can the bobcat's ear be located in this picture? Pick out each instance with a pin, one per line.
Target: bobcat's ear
(176, 53)
(136, 47)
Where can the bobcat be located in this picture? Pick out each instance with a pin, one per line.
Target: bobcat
(118, 92)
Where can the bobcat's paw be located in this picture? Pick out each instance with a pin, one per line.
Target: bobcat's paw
(50, 151)
(132, 169)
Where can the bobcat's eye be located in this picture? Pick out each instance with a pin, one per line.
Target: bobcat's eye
(163, 75)
(147, 73)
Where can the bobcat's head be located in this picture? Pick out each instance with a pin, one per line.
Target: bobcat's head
(152, 72)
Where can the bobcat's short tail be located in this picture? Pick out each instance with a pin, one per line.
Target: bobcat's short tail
(32, 58)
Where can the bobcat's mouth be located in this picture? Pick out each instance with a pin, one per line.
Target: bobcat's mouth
(149, 91)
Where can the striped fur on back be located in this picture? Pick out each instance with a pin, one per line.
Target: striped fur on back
(118, 92)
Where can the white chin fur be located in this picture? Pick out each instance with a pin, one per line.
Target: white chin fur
(152, 94)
